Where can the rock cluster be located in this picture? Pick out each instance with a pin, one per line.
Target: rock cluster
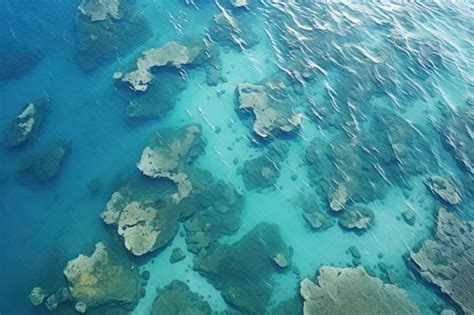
(271, 109)
(106, 29)
(447, 260)
(18, 63)
(242, 270)
(318, 220)
(352, 291)
(443, 189)
(177, 298)
(43, 166)
(27, 123)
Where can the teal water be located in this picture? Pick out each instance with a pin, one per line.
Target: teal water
(345, 64)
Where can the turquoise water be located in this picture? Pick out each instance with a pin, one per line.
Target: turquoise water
(355, 64)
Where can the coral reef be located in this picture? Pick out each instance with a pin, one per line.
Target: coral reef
(168, 152)
(352, 291)
(176, 298)
(107, 29)
(443, 189)
(260, 172)
(447, 260)
(153, 82)
(242, 270)
(43, 166)
(171, 54)
(103, 279)
(19, 63)
(269, 104)
(27, 123)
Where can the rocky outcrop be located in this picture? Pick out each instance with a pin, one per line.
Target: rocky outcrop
(103, 279)
(177, 298)
(43, 166)
(177, 255)
(447, 260)
(15, 64)
(242, 270)
(171, 54)
(338, 197)
(27, 123)
(107, 29)
(444, 189)
(357, 218)
(239, 3)
(352, 291)
(269, 106)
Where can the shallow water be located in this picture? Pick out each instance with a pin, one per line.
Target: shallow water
(412, 62)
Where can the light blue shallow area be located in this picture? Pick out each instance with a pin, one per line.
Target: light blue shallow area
(42, 227)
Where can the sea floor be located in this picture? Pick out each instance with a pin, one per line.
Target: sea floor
(44, 226)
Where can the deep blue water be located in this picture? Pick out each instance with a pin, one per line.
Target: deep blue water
(379, 74)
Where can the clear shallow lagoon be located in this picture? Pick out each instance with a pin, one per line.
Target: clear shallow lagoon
(385, 92)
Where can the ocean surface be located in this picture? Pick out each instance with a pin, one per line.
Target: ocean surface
(384, 91)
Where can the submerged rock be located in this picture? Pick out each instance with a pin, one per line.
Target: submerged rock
(444, 189)
(19, 63)
(458, 138)
(242, 270)
(239, 3)
(27, 123)
(409, 216)
(43, 166)
(227, 31)
(37, 296)
(268, 103)
(446, 260)
(338, 198)
(107, 29)
(353, 291)
(176, 298)
(289, 307)
(318, 220)
(220, 215)
(261, 172)
(177, 255)
(168, 152)
(357, 218)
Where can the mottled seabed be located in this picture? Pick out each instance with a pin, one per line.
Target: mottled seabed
(227, 157)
